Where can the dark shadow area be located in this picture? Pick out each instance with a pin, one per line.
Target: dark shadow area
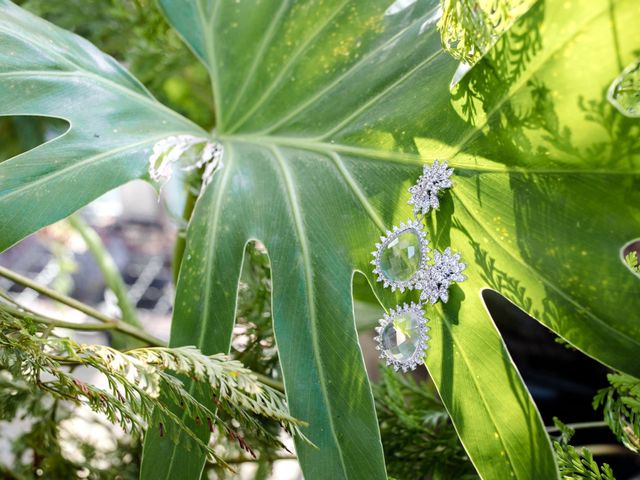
(19, 134)
(631, 256)
(562, 381)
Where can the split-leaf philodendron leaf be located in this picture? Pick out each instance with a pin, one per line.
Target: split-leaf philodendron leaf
(327, 109)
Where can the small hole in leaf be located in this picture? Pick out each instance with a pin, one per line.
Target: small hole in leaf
(631, 256)
(19, 134)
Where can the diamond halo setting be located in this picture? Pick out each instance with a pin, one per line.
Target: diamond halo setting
(436, 279)
(401, 263)
(401, 255)
(402, 337)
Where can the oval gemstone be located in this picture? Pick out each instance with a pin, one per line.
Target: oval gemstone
(401, 336)
(401, 257)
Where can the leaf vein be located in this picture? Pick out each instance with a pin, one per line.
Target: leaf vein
(305, 251)
(284, 69)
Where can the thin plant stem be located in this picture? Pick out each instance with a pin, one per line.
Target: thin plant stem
(605, 449)
(52, 294)
(56, 323)
(112, 324)
(116, 325)
(108, 267)
(81, 307)
(270, 382)
(238, 460)
(109, 323)
(578, 426)
(112, 277)
(181, 239)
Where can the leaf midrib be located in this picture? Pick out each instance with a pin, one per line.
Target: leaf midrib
(289, 185)
(353, 68)
(77, 66)
(212, 235)
(373, 100)
(482, 398)
(409, 160)
(207, 30)
(291, 61)
(357, 191)
(71, 166)
(257, 58)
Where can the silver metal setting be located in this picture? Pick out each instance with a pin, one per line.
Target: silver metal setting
(436, 279)
(434, 179)
(432, 278)
(418, 229)
(417, 358)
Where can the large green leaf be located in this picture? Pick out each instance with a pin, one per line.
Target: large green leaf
(327, 109)
(114, 122)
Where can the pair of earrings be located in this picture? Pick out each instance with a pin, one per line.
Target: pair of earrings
(401, 261)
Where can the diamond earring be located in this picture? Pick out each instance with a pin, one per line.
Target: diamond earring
(401, 262)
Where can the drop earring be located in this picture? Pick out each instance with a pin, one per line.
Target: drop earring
(401, 262)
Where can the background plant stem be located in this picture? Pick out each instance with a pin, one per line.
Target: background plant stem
(577, 426)
(181, 240)
(112, 277)
(270, 382)
(119, 325)
(238, 460)
(57, 323)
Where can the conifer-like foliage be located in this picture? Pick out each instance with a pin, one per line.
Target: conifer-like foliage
(577, 464)
(32, 358)
(632, 260)
(470, 27)
(326, 111)
(621, 405)
(417, 434)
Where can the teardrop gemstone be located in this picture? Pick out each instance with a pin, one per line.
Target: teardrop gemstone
(402, 336)
(401, 257)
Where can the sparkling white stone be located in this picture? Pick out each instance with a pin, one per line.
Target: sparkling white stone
(435, 280)
(434, 179)
(401, 262)
(402, 337)
(400, 256)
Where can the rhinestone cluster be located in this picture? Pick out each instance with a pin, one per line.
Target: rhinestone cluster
(424, 194)
(436, 279)
(401, 262)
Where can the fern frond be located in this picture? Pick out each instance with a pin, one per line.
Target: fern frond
(574, 464)
(621, 405)
(33, 357)
(418, 436)
(631, 259)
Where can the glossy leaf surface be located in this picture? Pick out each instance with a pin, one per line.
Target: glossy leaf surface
(113, 123)
(327, 110)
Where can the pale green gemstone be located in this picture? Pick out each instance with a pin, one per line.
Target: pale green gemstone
(401, 258)
(401, 336)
